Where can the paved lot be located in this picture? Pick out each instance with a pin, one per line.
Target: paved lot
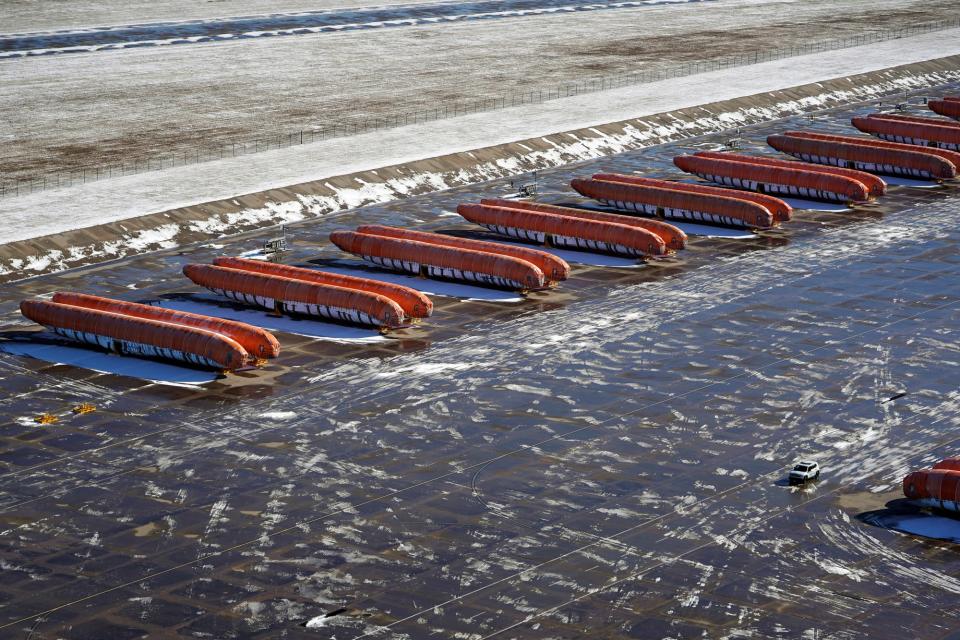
(604, 459)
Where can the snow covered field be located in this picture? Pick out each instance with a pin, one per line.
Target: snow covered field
(79, 110)
(103, 201)
(36, 15)
(297, 23)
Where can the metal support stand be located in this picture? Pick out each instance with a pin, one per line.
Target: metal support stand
(275, 247)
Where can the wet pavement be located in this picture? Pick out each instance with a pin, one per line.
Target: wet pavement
(606, 459)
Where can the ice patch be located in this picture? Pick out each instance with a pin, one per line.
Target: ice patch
(839, 570)
(317, 622)
(432, 287)
(580, 257)
(309, 327)
(933, 526)
(910, 182)
(279, 415)
(707, 231)
(149, 370)
(814, 205)
(428, 368)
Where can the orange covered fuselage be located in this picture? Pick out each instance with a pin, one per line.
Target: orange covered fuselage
(952, 156)
(258, 342)
(288, 295)
(414, 303)
(673, 238)
(934, 133)
(445, 257)
(782, 212)
(913, 163)
(565, 231)
(937, 488)
(949, 106)
(675, 204)
(137, 335)
(803, 181)
(554, 268)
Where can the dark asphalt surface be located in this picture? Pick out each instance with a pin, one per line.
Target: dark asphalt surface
(603, 460)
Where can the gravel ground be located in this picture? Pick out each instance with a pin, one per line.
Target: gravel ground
(65, 112)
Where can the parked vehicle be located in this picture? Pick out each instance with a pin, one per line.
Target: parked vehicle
(805, 471)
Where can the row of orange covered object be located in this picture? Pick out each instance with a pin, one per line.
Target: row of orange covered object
(152, 331)
(834, 168)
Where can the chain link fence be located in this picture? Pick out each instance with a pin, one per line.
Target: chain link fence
(220, 151)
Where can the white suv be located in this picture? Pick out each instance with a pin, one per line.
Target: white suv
(805, 471)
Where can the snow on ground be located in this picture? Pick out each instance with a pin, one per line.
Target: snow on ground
(909, 182)
(813, 205)
(191, 32)
(578, 257)
(115, 199)
(135, 105)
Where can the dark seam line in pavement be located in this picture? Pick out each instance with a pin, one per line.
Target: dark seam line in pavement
(10, 361)
(459, 471)
(611, 538)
